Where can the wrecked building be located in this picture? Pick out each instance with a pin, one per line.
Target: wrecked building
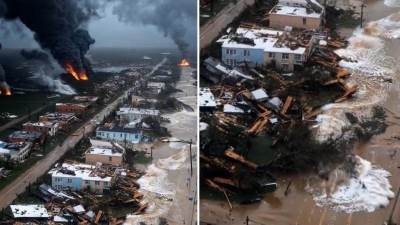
(258, 47)
(77, 108)
(156, 87)
(79, 177)
(303, 14)
(29, 212)
(16, 152)
(63, 119)
(130, 114)
(24, 136)
(46, 128)
(105, 153)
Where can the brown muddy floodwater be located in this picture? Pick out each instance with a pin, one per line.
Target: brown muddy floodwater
(382, 151)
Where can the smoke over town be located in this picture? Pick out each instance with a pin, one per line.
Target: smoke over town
(57, 26)
(170, 17)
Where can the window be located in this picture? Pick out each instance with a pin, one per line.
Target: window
(304, 21)
(272, 55)
(285, 67)
(110, 158)
(227, 51)
(285, 55)
(97, 183)
(234, 51)
(86, 182)
(234, 62)
(246, 52)
(69, 180)
(297, 57)
(105, 183)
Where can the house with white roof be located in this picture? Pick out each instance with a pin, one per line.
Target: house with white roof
(207, 99)
(104, 152)
(156, 87)
(79, 177)
(29, 212)
(257, 47)
(303, 14)
(16, 152)
(130, 114)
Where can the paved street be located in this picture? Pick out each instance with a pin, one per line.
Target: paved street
(213, 28)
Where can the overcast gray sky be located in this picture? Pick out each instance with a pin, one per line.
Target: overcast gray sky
(107, 31)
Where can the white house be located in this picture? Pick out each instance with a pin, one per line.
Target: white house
(303, 14)
(16, 152)
(258, 47)
(156, 87)
(131, 114)
(79, 177)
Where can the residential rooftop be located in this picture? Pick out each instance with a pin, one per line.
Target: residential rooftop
(294, 11)
(269, 40)
(29, 211)
(131, 110)
(83, 171)
(207, 98)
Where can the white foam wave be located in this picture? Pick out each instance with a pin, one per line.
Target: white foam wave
(371, 68)
(392, 3)
(368, 190)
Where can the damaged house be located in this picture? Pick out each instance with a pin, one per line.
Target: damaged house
(79, 177)
(302, 14)
(16, 152)
(46, 128)
(105, 152)
(258, 47)
(131, 114)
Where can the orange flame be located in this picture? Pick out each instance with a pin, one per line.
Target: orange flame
(5, 91)
(184, 63)
(77, 75)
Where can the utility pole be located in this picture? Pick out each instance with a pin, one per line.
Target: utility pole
(190, 157)
(362, 13)
(390, 221)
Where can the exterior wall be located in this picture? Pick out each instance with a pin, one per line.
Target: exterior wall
(70, 108)
(105, 159)
(96, 186)
(41, 129)
(255, 56)
(61, 183)
(119, 136)
(281, 63)
(281, 21)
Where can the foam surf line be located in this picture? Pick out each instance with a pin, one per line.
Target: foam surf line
(367, 190)
(158, 191)
(370, 67)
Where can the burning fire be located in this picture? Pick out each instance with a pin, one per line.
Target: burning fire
(6, 92)
(5, 89)
(184, 63)
(78, 75)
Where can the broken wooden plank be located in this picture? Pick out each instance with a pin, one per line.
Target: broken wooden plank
(288, 103)
(233, 155)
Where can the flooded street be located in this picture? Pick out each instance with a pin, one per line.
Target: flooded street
(169, 187)
(366, 199)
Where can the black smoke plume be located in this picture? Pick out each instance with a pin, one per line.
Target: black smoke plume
(57, 26)
(171, 17)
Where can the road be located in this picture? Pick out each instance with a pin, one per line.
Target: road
(19, 185)
(212, 29)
